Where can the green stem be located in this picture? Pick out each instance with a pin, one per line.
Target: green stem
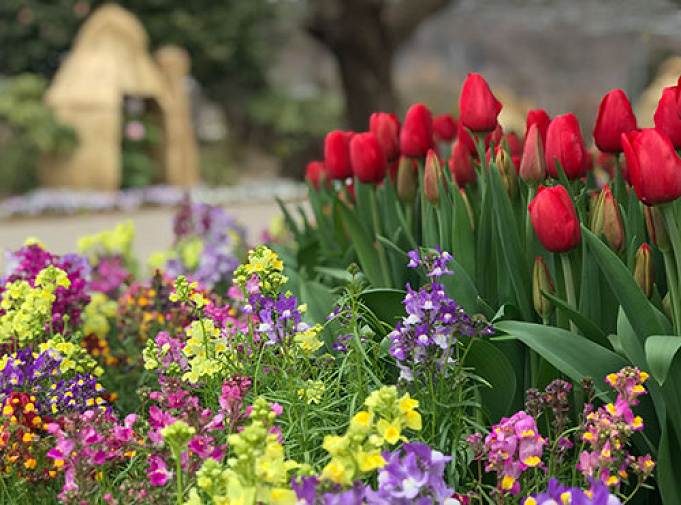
(672, 282)
(673, 232)
(569, 286)
(529, 232)
(382, 257)
(178, 470)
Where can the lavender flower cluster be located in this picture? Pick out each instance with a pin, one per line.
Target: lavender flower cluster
(427, 335)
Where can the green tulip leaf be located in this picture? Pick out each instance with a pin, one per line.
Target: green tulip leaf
(585, 325)
(364, 245)
(660, 353)
(567, 351)
(386, 304)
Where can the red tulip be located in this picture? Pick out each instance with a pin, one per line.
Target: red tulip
(367, 158)
(386, 127)
(564, 142)
(494, 137)
(533, 162)
(478, 108)
(615, 117)
(653, 166)
(337, 155)
(445, 128)
(666, 117)
(416, 136)
(461, 164)
(554, 219)
(541, 119)
(515, 146)
(314, 173)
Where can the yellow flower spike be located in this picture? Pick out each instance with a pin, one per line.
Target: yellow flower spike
(408, 404)
(336, 472)
(368, 462)
(388, 431)
(362, 418)
(414, 420)
(333, 444)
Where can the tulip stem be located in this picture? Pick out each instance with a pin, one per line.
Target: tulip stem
(569, 286)
(673, 232)
(382, 257)
(620, 188)
(672, 282)
(531, 192)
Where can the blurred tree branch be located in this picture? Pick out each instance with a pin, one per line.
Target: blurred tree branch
(364, 36)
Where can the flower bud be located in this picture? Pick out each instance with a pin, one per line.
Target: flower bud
(656, 228)
(605, 219)
(533, 162)
(416, 136)
(337, 155)
(564, 143)
(314, 173)
(478, 108)
(643, 269)
(542, 282)
(445, 128)
(386, 127)
(554, 219)
(540, 118)
(367, 158)
(508, 174)
(615, 117)
(431, 181)
(461, 164)
(406, 180)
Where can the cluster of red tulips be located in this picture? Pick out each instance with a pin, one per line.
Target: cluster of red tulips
(652, 166)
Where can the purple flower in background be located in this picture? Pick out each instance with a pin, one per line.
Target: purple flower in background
(557, 493)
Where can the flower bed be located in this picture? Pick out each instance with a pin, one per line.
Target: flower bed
(431, 336)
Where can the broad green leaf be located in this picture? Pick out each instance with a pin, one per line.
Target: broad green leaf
(634, 303)
(660, 352)
(585, 325)
(567, 351)
(668, 464)
(463, 238)
(386, 304)
(492, 365)
(460, 288)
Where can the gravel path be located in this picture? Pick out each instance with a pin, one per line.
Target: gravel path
(153, 229)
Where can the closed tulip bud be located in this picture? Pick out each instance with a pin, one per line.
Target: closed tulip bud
(478, 108)
(644, 274)
(542, 283)
(540, 118)
(367, 158)
(416, 136)
(564, 142)
(533, 162)
(666, 117)
(432, 177)
(461, 164)
(605, 219)
(469, 208)
(656, 228)
(386, 127)
(445, 128)
(508, 174)
(615, 117)
(653, 165)
(554, 219)
(314, 173)
(406, 180)
(337, 155)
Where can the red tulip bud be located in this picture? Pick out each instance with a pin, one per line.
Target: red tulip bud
(564, 142)
(314, 172)
(615, 117)
(461, 164)
(337, 155)
(653, 166)
(432, 177)
(368, 159)
(416, 136)
(478, 108)
(644, 275)
(407, 180)
(542, 283)
(386, 127)
(554, 219)
(533, 162)
(605, 219)
(541, 119)
(656, 228)
(445, 128)
(666, 117)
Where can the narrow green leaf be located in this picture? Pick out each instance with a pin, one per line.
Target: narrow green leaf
(463, 237)
(364, 245)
